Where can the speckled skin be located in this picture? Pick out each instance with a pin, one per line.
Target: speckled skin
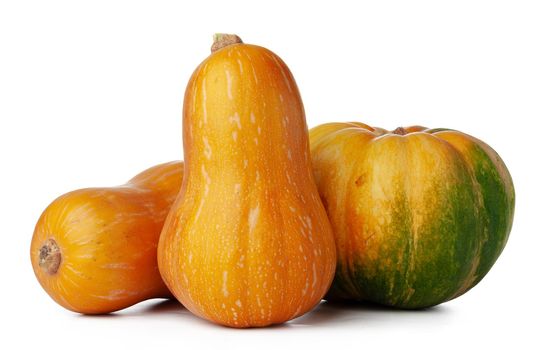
(107, 240)
(248, 243)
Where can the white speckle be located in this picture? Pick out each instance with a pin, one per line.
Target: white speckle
(292, 209)
(288, 177)
(240, 66)
(253, 218)
(300, 248)
(204, 115)
(256, 140)
(224, 284)
(194, 97)
(252, 117)
(288, 154)
(240, 263)
(237, 188)
(86, 256)
(281, 98)
(206, 190)
(207, 148)
(206, 177)
(305, 287)
(234, 135)
(245, 163)
(308, 222)
(257, 175)
(314, 276)
(237, 119)
(190, 258)
(223, 305)
(228, 76)
(117, 294)
(238, 303)
(254, 74)
(119, 266)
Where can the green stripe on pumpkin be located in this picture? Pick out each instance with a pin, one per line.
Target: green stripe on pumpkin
(385, 279)
(421, 272)
(448, 243)
(444, 242)
(497, 211)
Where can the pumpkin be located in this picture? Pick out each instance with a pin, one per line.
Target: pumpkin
(94, 250)
(248, 242)
(419, 215)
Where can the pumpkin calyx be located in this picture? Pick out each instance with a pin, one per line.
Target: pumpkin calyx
(399, 131)
(50, 257)
(222, 40)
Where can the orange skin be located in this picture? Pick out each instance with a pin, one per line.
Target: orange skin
(94, 250)
(247, 243)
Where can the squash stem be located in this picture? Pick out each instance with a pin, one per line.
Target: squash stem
(399, 131)
(222, 40)
(50, 257)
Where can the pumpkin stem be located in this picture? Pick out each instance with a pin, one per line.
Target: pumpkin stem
(222, 40)
(399, 131)
(50, 257)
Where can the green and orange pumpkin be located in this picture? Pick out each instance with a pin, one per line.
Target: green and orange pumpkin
(419, 215)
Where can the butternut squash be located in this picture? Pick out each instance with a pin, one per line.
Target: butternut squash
(94, 250)
(247, 243)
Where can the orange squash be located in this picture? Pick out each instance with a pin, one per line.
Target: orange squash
(247, 243)
(94, 250)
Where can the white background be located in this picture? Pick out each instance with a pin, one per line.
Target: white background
(91, 94)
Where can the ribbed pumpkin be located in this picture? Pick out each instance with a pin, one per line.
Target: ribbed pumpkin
(419, 215)
(247, 243)
(94, 250)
